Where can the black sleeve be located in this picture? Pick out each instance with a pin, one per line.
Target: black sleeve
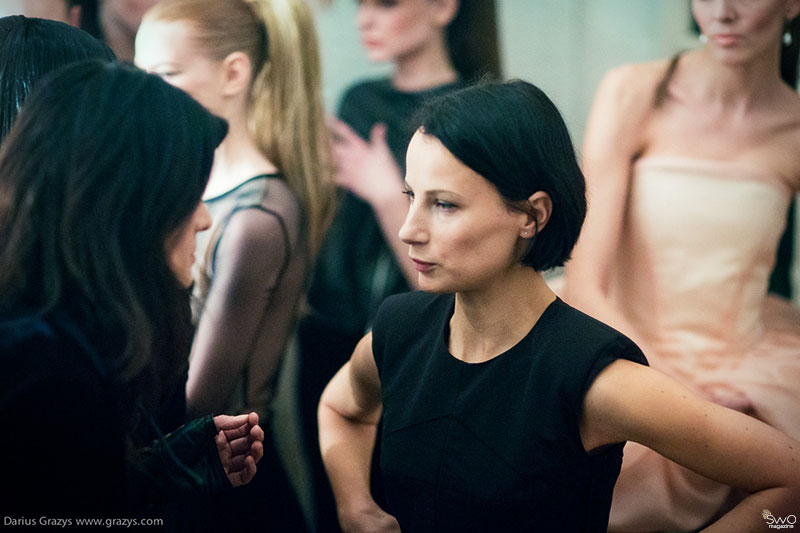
(621, 348)
(182, 463)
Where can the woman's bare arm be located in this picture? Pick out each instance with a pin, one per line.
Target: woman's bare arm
(349, 411)
(628, 401)
(613, 139)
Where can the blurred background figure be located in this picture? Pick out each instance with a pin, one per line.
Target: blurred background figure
(433, 47)
(256, 64)
(692, 165)
(114, 21)
(67, 11)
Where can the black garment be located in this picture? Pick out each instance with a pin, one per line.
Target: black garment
(355, 270)
(493, 446)
(63, 421)
(67, 446)
(265, 505)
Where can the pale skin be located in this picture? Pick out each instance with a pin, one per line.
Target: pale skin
(497, 301)
(410, 35)
(726, 102)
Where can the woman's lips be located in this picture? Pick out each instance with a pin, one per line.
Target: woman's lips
(726, 39)
(423, 266)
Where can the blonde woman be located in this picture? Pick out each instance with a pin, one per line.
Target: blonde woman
(256, 64)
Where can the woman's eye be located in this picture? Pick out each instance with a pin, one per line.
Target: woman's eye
(167, 73)
(447, 206)
(409, 194)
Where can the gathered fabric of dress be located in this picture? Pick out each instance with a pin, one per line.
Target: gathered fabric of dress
(493, 446)
(698, 245)
(248, 294)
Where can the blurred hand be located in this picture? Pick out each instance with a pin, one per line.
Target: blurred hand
(366, 168)
(240, 446)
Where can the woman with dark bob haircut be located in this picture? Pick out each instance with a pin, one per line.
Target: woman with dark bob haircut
(100, 185)
(505, 409)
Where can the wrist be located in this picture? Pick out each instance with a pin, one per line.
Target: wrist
(352, 510)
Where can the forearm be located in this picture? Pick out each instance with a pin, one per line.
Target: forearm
(346, 447)
(749, 514)
(225, 335)
(213, 370)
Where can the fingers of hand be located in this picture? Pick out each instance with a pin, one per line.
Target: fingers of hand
(257, 451)
(223, 449)
(342, 132)
(245, 474)
(241, 445)
(257, 433)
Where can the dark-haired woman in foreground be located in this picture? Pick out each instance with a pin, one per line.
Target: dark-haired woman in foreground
(100, 185)
(505, 409)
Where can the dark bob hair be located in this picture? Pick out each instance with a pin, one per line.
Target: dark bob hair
(33, 47)
(103, 164)
(512, 134)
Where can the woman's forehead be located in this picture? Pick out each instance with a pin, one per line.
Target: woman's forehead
(431, 166)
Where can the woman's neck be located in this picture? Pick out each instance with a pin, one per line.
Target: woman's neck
(736, 86)
(236, 160)
(425, 68)
(488, 322)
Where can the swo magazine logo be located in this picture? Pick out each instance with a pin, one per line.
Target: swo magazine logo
(774, 522)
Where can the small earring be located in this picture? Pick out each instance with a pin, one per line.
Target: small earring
(787, 38)
(525, 233)
(702, 37)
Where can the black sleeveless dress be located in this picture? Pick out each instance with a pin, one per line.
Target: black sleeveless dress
(493, 446)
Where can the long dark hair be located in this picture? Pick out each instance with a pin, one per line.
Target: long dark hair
(32, 47)
(472, 40)
(104, 163)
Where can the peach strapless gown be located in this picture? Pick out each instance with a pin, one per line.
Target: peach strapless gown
(691, 277)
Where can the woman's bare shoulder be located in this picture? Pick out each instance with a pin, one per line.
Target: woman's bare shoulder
(636, 81)
(628, 92)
